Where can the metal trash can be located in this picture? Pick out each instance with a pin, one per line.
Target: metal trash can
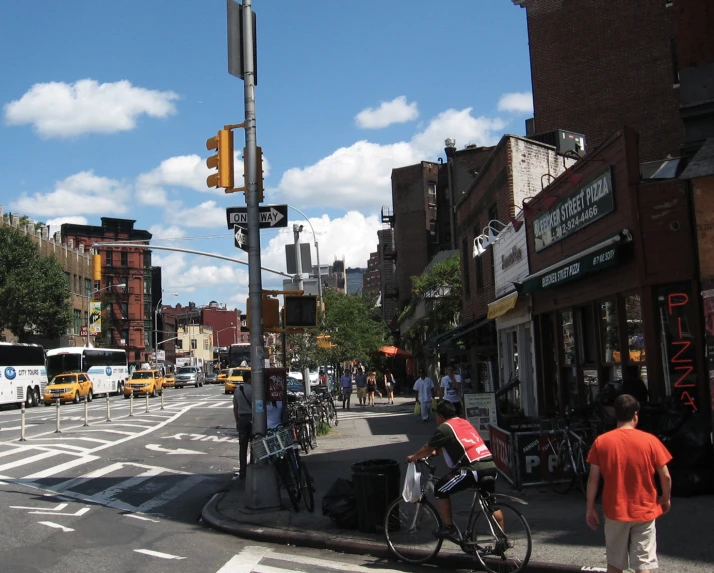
(376, 485)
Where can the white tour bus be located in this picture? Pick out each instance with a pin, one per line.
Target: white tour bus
(22, 373)
(106, 367)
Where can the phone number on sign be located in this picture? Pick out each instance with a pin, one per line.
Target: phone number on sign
(576, 222)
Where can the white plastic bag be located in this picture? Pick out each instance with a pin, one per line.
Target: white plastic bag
(411, 493)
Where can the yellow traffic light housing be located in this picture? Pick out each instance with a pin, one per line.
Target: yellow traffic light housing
(96, 267)
(271, 313)
(223, 160)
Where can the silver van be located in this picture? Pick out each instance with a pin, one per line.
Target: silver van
(189, 376)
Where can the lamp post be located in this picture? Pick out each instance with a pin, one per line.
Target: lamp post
(231, 327)
(156, 324)
(317, 253)
(90, 296)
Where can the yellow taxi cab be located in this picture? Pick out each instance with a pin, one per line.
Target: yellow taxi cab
(233, 378)
(169, 380)
(68, 387)
(144, 382)
(222, 375)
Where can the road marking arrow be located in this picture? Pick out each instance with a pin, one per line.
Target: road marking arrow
(56, 526)
(158, 554)
(52, 510)
(158, 448)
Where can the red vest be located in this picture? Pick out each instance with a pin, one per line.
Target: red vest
(471, 441)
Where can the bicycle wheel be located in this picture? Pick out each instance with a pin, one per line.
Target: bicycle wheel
(313, 434)
(562, 475)
(502, 545)
(304, 438)
(409, 530)
(288, 478)
(306, 487)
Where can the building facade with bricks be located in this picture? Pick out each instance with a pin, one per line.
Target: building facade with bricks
(516, 170)
(371, 278)
(597, 65)
(127, 313)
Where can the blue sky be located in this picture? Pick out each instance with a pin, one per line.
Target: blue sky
(106, 107)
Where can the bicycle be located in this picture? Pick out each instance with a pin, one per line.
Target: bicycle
(570, 461)
(499, 545)
(279, 447)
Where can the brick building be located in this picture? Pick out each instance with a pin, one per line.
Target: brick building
(127, 314)
(516, 170)
(388, 290)
(597, 65)
(76, 261)
(371, 278)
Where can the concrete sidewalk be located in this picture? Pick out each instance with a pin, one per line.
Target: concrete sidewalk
(561, 539)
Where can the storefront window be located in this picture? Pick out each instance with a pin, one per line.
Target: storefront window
(570, 376)
(591, 384)
(636, 334)
(566, 318)
(609, 332)
(586, 335)
(677, 339)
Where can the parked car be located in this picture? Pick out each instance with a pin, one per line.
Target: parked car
(189, 376)
(68, 387)
(143, 382)
(295, 387)
(170, 380)
(211, 378)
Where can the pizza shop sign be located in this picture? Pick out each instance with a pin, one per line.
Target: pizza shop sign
(590, 202)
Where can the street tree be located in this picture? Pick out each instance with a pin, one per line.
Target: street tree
(439, 291)
(34, 296)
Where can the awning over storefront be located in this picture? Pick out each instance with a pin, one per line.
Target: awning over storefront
(442, 341)
(502, 305)
(597, 257)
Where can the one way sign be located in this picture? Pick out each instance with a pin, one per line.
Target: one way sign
(271, 216)
(241, 237)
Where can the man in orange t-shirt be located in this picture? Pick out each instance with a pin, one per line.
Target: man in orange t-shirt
(627, 459)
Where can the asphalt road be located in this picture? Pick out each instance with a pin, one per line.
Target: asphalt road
(126, 495)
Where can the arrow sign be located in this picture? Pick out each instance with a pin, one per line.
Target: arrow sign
(241, 237)
(271, 216)
(158, 448)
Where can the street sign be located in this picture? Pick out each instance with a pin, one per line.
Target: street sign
(271, 216)
(83, 330)
(240, 237)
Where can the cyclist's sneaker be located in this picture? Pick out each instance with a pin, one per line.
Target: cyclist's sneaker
(447, 532)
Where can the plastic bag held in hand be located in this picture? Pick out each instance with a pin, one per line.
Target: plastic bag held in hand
(412, 484)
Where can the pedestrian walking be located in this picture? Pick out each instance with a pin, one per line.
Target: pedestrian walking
(627, 459)
(424, 387)
(361, 383)
(389, 384)
(243, 413)
(371, 388)
(346, 385)
(450, 389)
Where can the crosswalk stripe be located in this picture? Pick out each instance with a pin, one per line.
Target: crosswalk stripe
(108, 495)
(69, 484)
(322, 563)
(245, 561)
(54, 470)
(31, 459)
(171, 493)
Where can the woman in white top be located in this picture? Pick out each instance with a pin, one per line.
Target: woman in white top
(451, 389)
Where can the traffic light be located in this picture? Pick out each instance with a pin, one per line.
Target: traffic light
(271, 313)
(300, 311)
(223, 160)
(96, 267)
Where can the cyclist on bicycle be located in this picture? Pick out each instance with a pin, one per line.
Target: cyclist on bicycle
(466, 454)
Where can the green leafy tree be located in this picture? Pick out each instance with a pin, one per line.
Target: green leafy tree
(440, 290)
(34, 297)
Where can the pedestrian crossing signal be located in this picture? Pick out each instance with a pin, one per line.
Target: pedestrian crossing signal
(300, 311)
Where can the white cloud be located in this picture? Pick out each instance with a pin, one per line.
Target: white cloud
(62, 110)
(388, 112)
(517, 102)
(207, 214)
(56, 223)
(83, 193)
(359, 176)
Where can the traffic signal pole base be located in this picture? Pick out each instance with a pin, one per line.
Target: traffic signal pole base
(261, 490)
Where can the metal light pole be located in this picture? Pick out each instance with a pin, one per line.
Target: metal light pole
(317, 253)
(259, 491)
(91, 296)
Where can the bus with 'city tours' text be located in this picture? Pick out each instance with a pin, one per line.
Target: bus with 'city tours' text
(107, 368)
(22, 373)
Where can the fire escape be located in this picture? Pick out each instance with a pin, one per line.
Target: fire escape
(390, 292)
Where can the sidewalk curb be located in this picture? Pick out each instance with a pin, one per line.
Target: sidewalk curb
(216, 520)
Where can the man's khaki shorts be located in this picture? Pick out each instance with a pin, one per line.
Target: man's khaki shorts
(631, 544)
(361, 393)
